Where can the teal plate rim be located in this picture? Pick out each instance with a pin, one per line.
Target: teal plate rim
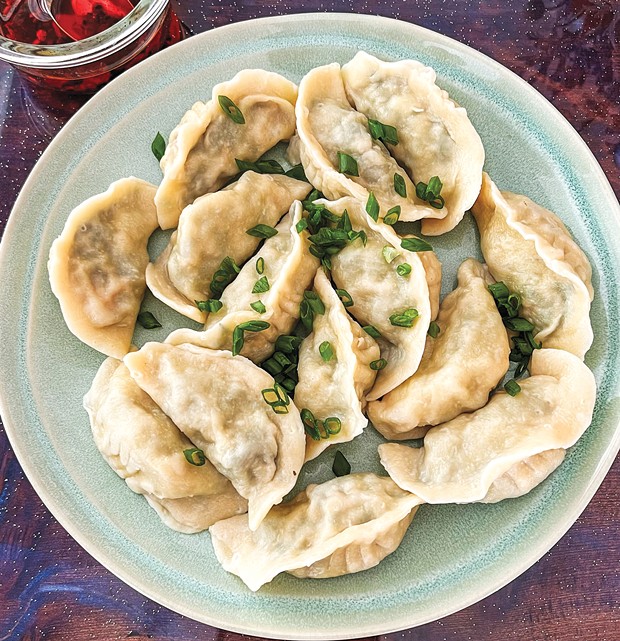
(310, 615)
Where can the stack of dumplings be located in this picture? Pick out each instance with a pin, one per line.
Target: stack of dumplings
(320, 312)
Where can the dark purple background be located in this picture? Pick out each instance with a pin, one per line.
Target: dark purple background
(51, 589)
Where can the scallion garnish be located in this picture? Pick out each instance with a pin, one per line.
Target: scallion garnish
(238, 337)
(301, 225)
(148, 321)
(297, 172)
(512, 387)
(391, 218)
(433, 329)
(258, 306)
(260, 265)
(399, 186)
(261, 286)
(430, 192)
(389, 253)
(332, 425)
(158, 146)
(326, 351)
(315, 302)
(226, 273)
(276, 398)
(372, 207)
(288, 344)
(211, 305)
(405, 318)
(340, 466)
(261, 231)
(345, 297)
(260, 166)
(378, 364)
(309, 423)
(518, 324)
(347, 164)
(371, 331)
(415, 245)
(231, 110)
(404, 269)
(195, 456)
(385, 133)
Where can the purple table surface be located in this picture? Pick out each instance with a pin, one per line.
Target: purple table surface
(50, 588)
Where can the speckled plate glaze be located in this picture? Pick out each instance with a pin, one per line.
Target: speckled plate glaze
(452, 555)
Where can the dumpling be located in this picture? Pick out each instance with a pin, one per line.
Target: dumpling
(214, 227)
(144, 447)
(287, 269)
(435, 136)
(345, 525)
(462, 459)
(96, 266)
(334, 386)
(397, 306)
(327, 125)
(217, 400)
(531, 251)
(459, 367)
(200, 156)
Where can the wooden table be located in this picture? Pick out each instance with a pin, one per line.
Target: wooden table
(52, 589)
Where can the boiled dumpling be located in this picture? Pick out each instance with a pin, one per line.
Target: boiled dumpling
(397, 307)
(435, 136)
(345, 525)
(531, 251)
(96, 266)
(333, 383)
(459, 367)
(217, 400)
(213, 228)
(286, 270)
(200, 156)
(462, 459)
(144, 447)
(327, 125)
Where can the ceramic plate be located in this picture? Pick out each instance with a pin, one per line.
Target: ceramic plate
(452, 555)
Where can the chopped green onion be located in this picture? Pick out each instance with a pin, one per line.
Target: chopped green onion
(231, 110)
(288, 344)
(391, 218)
(158, 146)
(372, 207)
(518, 324)
(258, 306)
(499, 291)
(148, 321)
(301, 225)
(316, 304)
(211, 305)
(512, 387)
(262, 231)
(378, 364)
(195, 456)
(345, 222)
(306, 314)
(371, 331)
(332, 425)
(405, 318)
(361, 234)
(272, 366)
(345, 297)
(416, 245)
(404, 269)
(276, 398)
(430, 192)
(238, 339)
(433, 329)
(326, 351)
(341, 467)
(282, 359)
(260, 265)
(389, 254)
(347, 164)
(385, 133)
(310, 426)
(225, 274)
(297, 172)
(260, 167)
(399, 186)
(282, 395)
(254, 326)
(261, 286)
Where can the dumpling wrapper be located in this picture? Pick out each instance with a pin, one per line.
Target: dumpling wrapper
(214, 227)
(201, 152)
(531, 251)
(144, 447)
(378, 292)
(326, 125)
(345, 525)
(436, 138)
(459, 367)
(462, 459)
(215, 399)
(335, 388)
(289, 268)
(96, 266)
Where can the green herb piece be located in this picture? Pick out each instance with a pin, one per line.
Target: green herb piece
(345, 297)
(211, 305)
(306, 315)
(433, 329)
(276, 398)
(260, 166)
(226, 273)
(361, 234)
(512, 387)
(254, 326)
(391, 218)
(372, 207)
(272, 366)
(345, 222)
(399, 186)
(297, 172)
(389, 254)
(261, 286)
(385, 133)
(405, 318)
(340, 467)
(518, 324)
(314, 301)
(301, 225)
(404, 269)
(195, 456)
(326, 351)
(499, 291)
(282, 359)
(231, 110)
(288, 344)
(415, 245)
(310, 426)
(148, 321)
(332, 425)
(158, 146)
(258, 306)
(371, 331)
(262, 231)
(326, 237)
(260, 265)
(281, 393)
(378, 364)
(347, 164)
(238, 339)
(430, 192)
